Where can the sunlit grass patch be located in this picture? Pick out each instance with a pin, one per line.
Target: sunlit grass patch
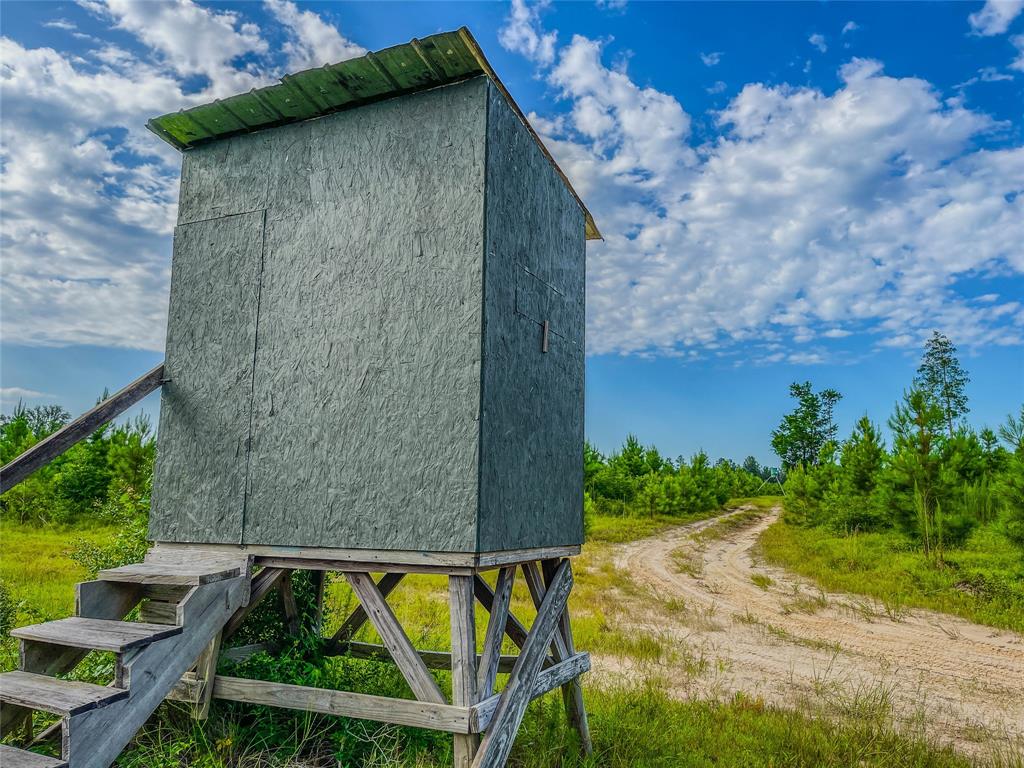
(984, 582)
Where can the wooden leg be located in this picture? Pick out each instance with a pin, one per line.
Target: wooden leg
(357, 618)
(572, 691)
(404, 655)
(513, 627)
(501, 732)
(206, 671)
(291, 609)
(495, 631)
(319, 584)
(463, 632)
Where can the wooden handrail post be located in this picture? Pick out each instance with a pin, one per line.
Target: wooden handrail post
(49, 448)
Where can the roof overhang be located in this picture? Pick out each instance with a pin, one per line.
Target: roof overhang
(437, 60)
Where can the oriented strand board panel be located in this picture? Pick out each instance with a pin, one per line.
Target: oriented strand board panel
(367, 381)
(199, 483)
(354, 342)
(531, 482)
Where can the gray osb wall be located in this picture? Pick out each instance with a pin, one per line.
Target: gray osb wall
(325, 344)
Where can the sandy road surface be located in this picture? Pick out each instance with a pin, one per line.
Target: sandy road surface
(791, 644)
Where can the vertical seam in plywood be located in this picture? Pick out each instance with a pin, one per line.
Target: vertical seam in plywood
(252, 383)
(483, 321)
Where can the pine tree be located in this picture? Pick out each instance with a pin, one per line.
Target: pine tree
(808, 429)
(941, 376)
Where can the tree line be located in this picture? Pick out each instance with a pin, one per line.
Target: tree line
(937, 482)
(637, 480)
(110, 473)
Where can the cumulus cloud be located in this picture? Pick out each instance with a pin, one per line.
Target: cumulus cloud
(191, 39)
(818, 41)
(88, 194)
(711, 59)
(1018, 43)
(11, 396)
(850, 26)
(810, 214)
(995, 16)
(312, 41)
(523, 33)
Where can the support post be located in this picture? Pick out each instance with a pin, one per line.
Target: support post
(572, 691)
(463, 633)
(206, 671)
(496, 745)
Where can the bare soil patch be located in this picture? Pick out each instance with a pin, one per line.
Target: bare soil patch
(731, 625)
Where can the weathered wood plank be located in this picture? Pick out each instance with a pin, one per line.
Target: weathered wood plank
(549, 679)
(513, 627)
(518, 691)
(374, 560)
(158, 612)
(95, 634)
(49, 694)
(185, 574)
(50, 447)
(102, 733)
(394, 637)
(535, 583)
(357, 618)
(95, 599)
(206, 671)
(463, 637)
(418, 714)
(495, 634)
(572, 690)
(432, 659)
(20, 758)
(291, 609)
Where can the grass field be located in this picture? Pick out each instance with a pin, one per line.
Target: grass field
(634, 725)
(984, 582)
(35, 566)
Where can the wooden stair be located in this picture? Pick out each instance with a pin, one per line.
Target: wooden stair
(98, 721)
(20, 758)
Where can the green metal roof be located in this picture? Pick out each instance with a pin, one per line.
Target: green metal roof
(417, 65)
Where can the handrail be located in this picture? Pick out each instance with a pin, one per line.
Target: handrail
(49, 448)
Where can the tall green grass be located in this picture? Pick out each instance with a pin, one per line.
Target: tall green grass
(983, 582)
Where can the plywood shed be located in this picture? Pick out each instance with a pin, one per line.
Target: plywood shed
(375, 356)
(376, 318)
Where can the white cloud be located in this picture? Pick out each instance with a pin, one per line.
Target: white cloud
(612, 5)
(11, 396)
(818, 41)
(523, 33)
(810, 213)
(718, 87)
(64, 24)
(88, 194)
(711, 59)
(1018, 43)
(192, 39)
(850, 26)
(312, 42)
(995, 16)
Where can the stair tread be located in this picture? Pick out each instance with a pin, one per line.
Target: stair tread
(61, 697)
(98, 634)
(191, 574)
(12, 757)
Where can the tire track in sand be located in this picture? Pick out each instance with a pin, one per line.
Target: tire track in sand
(793, 645)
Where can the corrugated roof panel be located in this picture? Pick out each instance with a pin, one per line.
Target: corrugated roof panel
(443, 58)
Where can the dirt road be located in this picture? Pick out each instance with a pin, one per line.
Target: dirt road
(757, 629)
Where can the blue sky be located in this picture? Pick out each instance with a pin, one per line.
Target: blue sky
(788, 191)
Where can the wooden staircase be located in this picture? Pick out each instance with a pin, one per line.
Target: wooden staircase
(187, 598)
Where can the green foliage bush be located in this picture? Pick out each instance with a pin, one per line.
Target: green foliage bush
(638, 481)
